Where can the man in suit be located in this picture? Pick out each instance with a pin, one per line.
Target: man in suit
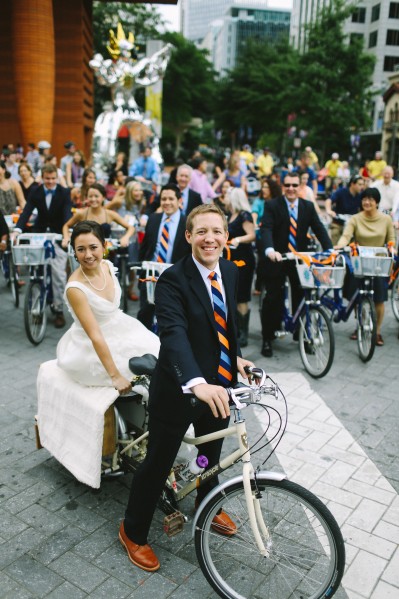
(190, 199)
(191, 361)
(169, 223)
(285, 226)
(53, 205)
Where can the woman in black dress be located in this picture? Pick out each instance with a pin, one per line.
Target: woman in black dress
(241, 236)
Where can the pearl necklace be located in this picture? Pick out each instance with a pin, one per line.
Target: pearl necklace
(91, 284)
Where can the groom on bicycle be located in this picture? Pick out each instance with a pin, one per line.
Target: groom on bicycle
(199, 356)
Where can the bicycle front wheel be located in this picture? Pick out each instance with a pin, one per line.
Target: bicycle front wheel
(35, 315)
(395, 298)
(316, 341)
(306, 550)
(366, 328)
(14, 282)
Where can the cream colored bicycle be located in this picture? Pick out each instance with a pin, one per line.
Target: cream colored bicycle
(287, 545)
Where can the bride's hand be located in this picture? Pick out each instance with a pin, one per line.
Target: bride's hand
(121, 384)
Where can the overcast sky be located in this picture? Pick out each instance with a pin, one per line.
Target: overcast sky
(171, 13)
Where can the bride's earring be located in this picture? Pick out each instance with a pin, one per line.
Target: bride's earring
(76, 258)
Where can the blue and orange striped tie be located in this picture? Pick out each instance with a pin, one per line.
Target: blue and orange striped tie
(292, 232)
(219, 312)
(164, 242)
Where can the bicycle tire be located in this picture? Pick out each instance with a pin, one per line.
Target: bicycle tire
(306, 549)
(14, 281)
(35, 315)
(395, 298)
(316, 341)
(366, 328)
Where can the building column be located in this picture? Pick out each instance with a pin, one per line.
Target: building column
(33, 57)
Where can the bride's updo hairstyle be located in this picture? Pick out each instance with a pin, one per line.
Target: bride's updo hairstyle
(87, 226)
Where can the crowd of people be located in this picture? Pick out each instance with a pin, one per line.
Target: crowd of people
(130, 198)
(202, 302)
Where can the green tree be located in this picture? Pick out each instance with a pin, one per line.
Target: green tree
(188, 88)
(333, 97)
(258, 92)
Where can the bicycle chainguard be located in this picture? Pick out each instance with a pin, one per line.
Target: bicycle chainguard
(173, 524)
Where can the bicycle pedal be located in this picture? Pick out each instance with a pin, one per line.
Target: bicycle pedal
(173, 524)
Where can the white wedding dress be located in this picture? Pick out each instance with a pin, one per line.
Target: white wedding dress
(125, 336)
(75, 391)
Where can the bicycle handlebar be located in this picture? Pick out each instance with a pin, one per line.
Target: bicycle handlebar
(248, 394)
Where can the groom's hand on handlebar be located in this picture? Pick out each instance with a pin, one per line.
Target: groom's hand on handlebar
(215, 396)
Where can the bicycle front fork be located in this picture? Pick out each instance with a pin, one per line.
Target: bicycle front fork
(256, 520)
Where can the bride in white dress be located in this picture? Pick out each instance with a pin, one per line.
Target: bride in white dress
(95, 351)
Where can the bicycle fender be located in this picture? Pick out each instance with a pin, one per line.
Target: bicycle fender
(277, 476)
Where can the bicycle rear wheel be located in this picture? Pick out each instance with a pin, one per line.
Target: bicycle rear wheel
(316, 341)
(366, 328)
(395, 298)
(306, 550)
(35, 315)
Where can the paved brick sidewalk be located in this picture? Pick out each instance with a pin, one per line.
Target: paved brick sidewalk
(58, 538)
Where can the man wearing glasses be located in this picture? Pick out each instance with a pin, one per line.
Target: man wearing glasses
(285, 225)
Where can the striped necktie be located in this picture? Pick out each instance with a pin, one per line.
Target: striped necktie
(219, 312)
(164, 242)
(293, 229)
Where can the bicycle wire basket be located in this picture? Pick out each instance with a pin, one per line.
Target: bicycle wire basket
(153, 271)
(371, 262)
(321, 276)
(30, 249)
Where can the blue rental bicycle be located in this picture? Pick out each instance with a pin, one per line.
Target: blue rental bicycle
(310, 323)
(365, 264)
(36, 250)
(10, 273)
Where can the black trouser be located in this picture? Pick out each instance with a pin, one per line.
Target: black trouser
(146, 313)
(273, 304)
(164, 442)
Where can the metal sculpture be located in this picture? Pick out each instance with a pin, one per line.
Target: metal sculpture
(123, 72)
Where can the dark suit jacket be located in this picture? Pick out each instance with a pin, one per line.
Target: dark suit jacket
(53, 219)
(180, 247)
(194, 200)
(189, 341)
(276, 223)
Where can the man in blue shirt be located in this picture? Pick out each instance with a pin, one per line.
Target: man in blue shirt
(145, 168)
(344, 201)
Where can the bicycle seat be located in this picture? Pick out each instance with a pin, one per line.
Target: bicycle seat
(143, 364)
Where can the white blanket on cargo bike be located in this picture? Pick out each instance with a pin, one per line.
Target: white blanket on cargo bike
(71, 421)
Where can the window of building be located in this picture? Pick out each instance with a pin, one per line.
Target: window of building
(390, 62)
(359, 16)
(394, 10)
(375, 12)
(392, 37)
(373, 39)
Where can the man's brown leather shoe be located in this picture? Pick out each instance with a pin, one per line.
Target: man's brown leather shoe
(140, 555)
(224, 525)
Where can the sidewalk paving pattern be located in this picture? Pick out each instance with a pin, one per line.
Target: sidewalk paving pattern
(58, 538)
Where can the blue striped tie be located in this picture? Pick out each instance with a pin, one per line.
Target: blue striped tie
(219, 311)
(292, 232)
(164, 242)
